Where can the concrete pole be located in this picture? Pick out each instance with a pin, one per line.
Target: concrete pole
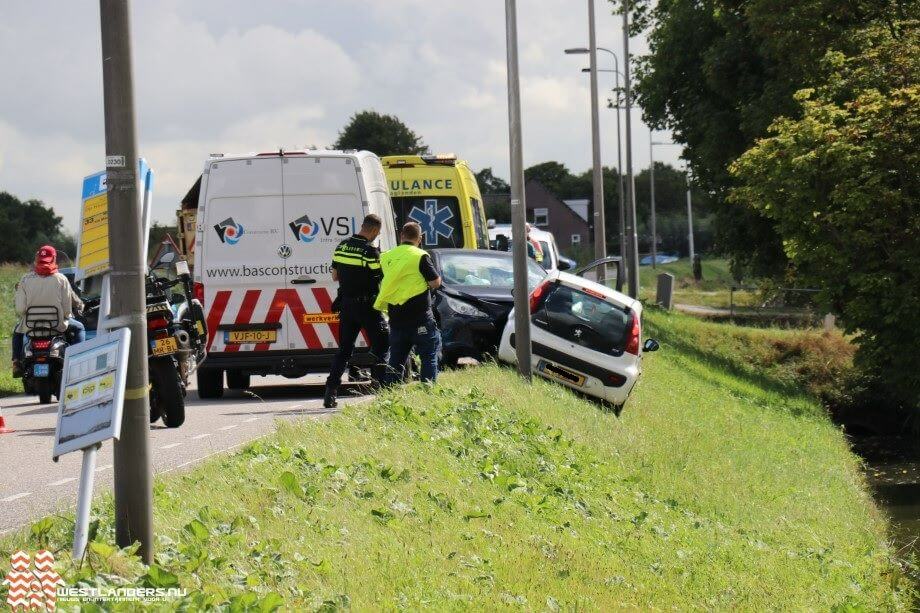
(518, 204)
(633, 260)
(133, 484)
(690, 218)
(600, 234)
(622, 203)
(651, 179)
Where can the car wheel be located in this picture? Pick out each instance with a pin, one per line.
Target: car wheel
(237, 380)
(210, 383)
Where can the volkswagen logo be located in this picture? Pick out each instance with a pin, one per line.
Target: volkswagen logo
(284, 251)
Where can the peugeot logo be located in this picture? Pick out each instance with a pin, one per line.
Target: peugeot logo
(284, 251)
(578, 333)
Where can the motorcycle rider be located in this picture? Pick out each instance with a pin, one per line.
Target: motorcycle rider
(46, 287)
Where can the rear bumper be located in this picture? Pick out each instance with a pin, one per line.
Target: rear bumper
(285, 363)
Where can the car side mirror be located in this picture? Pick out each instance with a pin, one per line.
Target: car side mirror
(651, 345)
(564, 265)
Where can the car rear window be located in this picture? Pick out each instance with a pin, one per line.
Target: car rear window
(583, 319)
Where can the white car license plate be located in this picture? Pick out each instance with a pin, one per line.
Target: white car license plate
(560, 373)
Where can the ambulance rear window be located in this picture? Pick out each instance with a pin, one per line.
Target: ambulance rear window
(439, 217)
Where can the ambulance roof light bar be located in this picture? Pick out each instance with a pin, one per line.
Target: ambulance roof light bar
(441, 158)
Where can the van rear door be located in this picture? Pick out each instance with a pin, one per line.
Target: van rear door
(242, 267)
(323, 205)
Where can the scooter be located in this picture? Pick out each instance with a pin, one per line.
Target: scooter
(43, 353)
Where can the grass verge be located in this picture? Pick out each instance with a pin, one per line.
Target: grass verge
(9, 276)
(712, 491)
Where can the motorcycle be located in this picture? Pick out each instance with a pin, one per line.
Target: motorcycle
(176, 338)
(43, 353)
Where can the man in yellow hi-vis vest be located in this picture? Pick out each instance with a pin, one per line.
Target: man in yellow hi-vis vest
(408, 275)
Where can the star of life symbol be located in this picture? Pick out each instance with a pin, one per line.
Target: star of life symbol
(433, 221)
(32, 589)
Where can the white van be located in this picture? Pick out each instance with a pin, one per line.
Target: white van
(553, 261)
(267, 225)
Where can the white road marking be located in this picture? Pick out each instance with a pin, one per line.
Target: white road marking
(230, 427)
(62, 481)
(200, 436)
(16, 497)
(251, 419)
(170, 446)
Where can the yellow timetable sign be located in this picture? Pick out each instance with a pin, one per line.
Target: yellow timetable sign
(93, 248)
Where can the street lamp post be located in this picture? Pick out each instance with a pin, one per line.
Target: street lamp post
(518, 206)
(651, 179)
(600, 239)
(615, 105)
(633, 260)
(690, 218)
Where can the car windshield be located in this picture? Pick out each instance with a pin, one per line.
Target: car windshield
(484, 270)
(583, 319)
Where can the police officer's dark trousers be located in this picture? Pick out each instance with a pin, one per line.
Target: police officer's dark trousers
(355, 315)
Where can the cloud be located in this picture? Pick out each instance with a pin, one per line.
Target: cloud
(235, 75)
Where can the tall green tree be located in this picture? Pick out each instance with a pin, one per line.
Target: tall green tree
(26, 226)
(382, 134)
(839, 180)
(720, 71)
(489, 184)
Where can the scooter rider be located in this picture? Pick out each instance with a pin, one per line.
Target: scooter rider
(46, 287)
(356, 267)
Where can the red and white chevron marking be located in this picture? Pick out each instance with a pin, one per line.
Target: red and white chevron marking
(32, 591)
(286, 306)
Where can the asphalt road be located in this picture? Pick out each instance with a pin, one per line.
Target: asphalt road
(32, 485)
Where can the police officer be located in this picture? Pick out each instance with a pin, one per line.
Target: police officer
(408, 275)
(356, 266)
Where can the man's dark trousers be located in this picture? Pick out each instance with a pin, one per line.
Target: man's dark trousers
(354, 316)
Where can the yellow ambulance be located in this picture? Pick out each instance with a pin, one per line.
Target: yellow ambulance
(441, 194)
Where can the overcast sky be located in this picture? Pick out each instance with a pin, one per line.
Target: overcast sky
(237, 75)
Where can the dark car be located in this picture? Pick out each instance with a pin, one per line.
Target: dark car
(473, 303)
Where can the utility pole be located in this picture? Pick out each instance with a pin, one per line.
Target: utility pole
(133, 486)
(633, 261)
(518, 204)
(690, 218)
(600, 238)
(651, 178)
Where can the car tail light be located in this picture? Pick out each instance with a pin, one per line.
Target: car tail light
(198, 292)
(156, 323)
(536, 297)
(615, 379)
(632, 340)
(43, 343)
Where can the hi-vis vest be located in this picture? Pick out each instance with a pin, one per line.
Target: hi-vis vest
(401, 277)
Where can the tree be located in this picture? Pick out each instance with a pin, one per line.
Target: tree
(33, 224)
(382, 134)
(839, 182)
(489, 184)
(720, 71)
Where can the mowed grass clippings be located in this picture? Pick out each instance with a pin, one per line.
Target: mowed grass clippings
(483, 493)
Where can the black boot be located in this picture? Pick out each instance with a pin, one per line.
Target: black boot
(329, 400)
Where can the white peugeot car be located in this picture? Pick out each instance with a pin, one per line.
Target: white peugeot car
(583, 335)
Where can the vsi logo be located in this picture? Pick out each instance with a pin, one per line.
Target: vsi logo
(229, 231)
(304, 229)
(433, 221)
(32, 590)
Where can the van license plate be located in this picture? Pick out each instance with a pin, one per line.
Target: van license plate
(41, 370)
(164, 346)
(241, 337)
(554, 371)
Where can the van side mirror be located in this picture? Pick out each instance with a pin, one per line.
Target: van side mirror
(651, 345)
(564, 264)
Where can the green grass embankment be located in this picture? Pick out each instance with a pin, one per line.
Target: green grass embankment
(713, 490)
(9, 276)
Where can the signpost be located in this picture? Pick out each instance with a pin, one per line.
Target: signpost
(90, 410)
(93, 240)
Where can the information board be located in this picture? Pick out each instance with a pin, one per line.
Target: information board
(92, 392)
(93, 241)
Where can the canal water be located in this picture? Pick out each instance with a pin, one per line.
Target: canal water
(893, 472)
